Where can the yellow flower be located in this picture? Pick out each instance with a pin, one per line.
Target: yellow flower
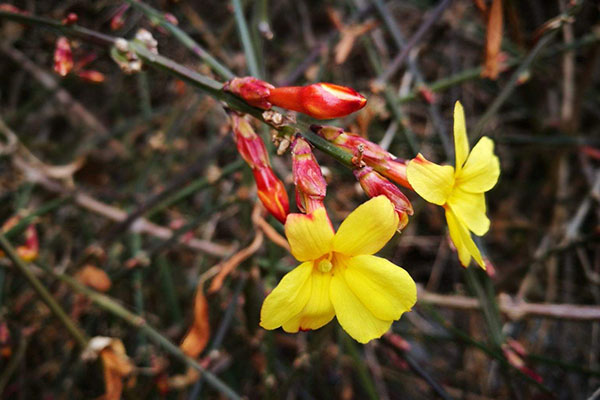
(339, 276)
(460, 190)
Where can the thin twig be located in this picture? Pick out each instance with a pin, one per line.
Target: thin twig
(88, 202)
(159, 18)
(515, 309)
(108, 304)
(416, 38)
(44, 294)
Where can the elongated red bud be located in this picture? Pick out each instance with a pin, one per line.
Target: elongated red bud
(308, 178)
(375, 185)
(63, 57)
(91, 76)
(250, 146)
(373, 155)
(70, 19)
(118, 19)
(270, 189)
(319, 100)
(271, 193)
(254, 91)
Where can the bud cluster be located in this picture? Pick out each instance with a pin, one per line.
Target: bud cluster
(320, 101)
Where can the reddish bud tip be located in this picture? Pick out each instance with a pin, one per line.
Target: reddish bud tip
(63, 57)
(171, 19)
(375, 185)
(10, 8)
(427, 94)
(395, 170)
(254, 91)
(308, 178)
(319, 100)
(118, 19)
(91, 76)
(70, 19)
(271, 193)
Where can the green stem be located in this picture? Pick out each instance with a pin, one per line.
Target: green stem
(46, 208)
(185, 39)
(44, 294)
(74, 31)
(140, 323)
(240, 20)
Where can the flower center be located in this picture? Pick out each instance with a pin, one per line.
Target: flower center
(324, 265)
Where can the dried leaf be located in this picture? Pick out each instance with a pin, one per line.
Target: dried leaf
(493, 41)
(116, 364)
(197, 336)
(116, 367)
(94, 277)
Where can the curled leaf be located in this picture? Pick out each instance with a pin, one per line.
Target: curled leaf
(197, 336)
(115, 362)
(493, 41)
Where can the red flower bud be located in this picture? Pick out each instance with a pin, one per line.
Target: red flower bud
(254, 91)
(31, 249)
(118, 20)
(310, 184)
(375, 185)
(373, 155)
(249, 144)
(70, 19)
(271, 193)
(271, 190)
(63, 58)
(319, 100)
(91, 76)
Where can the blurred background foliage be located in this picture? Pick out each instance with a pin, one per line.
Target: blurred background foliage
(133, 187)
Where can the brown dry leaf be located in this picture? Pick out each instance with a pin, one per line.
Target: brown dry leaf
(115, 362)
(231, 264)
(116, 367)
(197, 336)
(481, 6)
(349, 34)
(493, 41)
(94, 277)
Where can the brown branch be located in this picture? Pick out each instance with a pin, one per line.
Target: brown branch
(141, 225)
(514, 309)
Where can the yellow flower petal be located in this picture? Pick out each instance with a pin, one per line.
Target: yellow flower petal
(310, 236)
(288, 298)
(367, 229)
(353, 316)
(431, 181)
(461, 142)
(318, 311)
(385, 289)
(469, 208)
(462, 240)
(482, 169)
